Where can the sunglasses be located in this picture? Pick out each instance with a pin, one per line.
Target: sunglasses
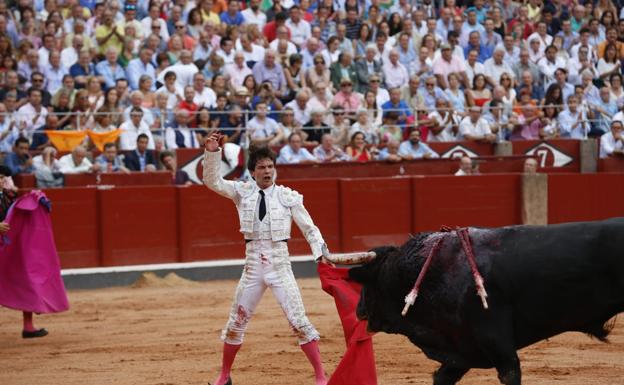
(374, 81)
(37, 80)
(430, 85)
(319, 62)
(155, 26)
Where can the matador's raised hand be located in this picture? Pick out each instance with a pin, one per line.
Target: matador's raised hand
(212, 142)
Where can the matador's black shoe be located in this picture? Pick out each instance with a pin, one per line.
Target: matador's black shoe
(34, 334)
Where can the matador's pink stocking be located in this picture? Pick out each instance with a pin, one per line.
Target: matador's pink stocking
(313, 353)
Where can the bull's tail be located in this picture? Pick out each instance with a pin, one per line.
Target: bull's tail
(601, 331)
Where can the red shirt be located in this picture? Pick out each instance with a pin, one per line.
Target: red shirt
(192, 109)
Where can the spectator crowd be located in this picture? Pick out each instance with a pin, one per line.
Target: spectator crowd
(324, 81)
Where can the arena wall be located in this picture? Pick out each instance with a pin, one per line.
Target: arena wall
(159, 224)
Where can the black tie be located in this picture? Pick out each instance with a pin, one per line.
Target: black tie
(262, 212)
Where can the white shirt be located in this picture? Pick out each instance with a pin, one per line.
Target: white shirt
(467, 127)
(146, 28)
(548, 68)
(471, 72)
(256, 54)
(44, 57)
(54, 78)
(184, 74)
(494, 71)
(302, 116)
(544, 41)
(190, 141)
(261, 129)
(258, 19)
(236, 74)
(172, 97)
(608, 144)
(67, 166)
(26, 114)
(288, 156)
(69, 57)
(129, 134)
(206, 98)
(227, 58)
(447, 134)
(395, 75)
(292, 49)
(299, 32)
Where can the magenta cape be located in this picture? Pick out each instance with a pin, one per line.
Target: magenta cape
(358, 363)
(30, 271)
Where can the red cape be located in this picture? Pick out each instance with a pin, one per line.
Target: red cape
(358, 363)
(30, 271)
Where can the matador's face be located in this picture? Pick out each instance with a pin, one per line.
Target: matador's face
(264, 173)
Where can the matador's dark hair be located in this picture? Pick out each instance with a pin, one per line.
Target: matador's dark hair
(259, 153)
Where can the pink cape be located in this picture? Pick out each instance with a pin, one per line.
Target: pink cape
(358, 363)
(30, 271)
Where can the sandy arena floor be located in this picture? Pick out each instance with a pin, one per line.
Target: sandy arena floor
(165, 332)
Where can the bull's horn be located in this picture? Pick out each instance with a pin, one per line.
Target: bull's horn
(352, 258)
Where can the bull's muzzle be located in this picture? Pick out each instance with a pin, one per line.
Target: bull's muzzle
(352, 258)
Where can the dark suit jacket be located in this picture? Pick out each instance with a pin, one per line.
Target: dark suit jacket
(335, 75)
(361, 69)
(131, 160)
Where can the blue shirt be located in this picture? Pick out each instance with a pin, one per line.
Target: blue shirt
(135, 69)
(110, 75)
(16, 164)
(401, 108)
(116, 164)
(237, 19)
(78, 70)
(416, 151)
(485, 52)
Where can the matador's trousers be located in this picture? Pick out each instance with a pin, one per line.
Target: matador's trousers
(267, 266)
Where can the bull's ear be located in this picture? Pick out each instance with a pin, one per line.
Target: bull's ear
(362, 274)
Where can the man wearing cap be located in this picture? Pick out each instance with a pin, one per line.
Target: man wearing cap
(130, 11)
(266, 211)
(447, 64)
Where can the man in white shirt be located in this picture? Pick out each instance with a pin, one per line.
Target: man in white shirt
(495, 66)
(541, 34)
(253, 15)
(300, 107)
(31, 115)
(550, 63)
(69, 55)
(237, 71)
(131, 129)
(474, 128)
(154, 24)
(253, 52)
(395, 74)
(473, 67)
(294, 153)
(282, 38)
(136, 101)
(184, 70)
(204, 96)
(611, 143)
(174, 92)
(181, 136)
(54, 72)
(262, 129)
(76, 162)
(299, 28)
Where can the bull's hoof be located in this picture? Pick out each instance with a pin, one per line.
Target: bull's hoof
(34, 334)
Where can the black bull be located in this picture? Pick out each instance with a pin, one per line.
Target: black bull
(541, 281)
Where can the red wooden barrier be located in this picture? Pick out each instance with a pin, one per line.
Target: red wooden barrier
(76, 224)
(485, 200)
(557, 155)
(585, 197)
(375, 212)
(459, 149)
(322, 200)
(157, 178)
(613, 164)
(209, 226)
(138, 225)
